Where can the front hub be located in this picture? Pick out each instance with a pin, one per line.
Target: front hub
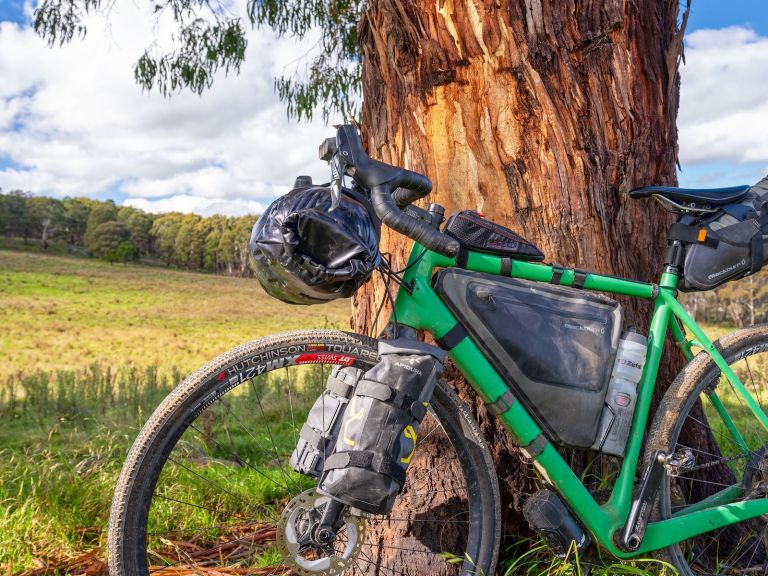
(310, 549)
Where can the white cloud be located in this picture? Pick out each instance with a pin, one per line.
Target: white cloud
(724, 97)
(73, 121)
(198, 205)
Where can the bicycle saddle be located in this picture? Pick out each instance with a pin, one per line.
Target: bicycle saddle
(710, 196)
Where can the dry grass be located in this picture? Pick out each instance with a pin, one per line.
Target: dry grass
(67, 313)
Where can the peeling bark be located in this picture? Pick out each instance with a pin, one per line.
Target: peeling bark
(541, 114)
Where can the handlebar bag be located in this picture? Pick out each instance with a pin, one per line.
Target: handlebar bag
(380, 427)
(554, 346)
(303, 253)
(317, 438)
(731, 244)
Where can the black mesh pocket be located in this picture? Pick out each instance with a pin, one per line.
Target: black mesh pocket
(476, 233)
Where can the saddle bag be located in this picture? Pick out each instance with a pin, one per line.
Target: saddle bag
(317, 438)
(729, 245)
(474, 232)
(380, 427)
(554, 346)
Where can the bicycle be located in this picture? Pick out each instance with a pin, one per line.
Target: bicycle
(206, 487)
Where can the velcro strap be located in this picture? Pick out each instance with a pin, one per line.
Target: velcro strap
(557, 274)
(462, 257)
(376, 390)
(535, 446)
(691, 235)
(501, 404)
(314, 438)
(506, 266)
(339, 387)
(391, 396)
(757, 253)
(452, 338)
(579, 277)
(379, 463)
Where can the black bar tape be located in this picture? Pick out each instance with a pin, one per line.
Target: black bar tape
(579, 277)
(417, 230)
(535, 446)
(452, 338)
(557, 274)
(506, 266)
(501, 404)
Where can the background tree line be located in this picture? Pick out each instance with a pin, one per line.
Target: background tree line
(740, 303)
(114, 233)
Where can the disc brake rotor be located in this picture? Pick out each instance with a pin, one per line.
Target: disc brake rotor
(296, 519)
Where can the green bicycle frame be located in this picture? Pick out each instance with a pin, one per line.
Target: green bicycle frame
(417, 305)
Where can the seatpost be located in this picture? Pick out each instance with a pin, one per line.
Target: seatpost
(673, 262)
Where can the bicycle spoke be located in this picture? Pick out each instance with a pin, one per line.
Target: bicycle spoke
(239, 497)
(248, 464)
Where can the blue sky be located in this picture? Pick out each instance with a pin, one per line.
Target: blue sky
(90, 131)
(723, 13)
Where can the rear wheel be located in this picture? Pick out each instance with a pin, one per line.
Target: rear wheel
(207, 486)
(709, 461)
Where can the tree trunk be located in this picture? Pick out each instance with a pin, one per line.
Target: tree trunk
(543, 115)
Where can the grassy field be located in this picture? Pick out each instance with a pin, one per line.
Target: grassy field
(87, 350)
(61, 313)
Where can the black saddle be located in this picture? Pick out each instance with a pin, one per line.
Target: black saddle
(693, 196)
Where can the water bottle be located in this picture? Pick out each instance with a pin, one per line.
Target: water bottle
(619, 408)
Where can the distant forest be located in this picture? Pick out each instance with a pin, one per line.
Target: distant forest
(101, 229)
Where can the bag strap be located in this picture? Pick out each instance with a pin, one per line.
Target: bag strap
(367, 460)
(756, 244)
(391, 396)
(362, 199)
(691, 235)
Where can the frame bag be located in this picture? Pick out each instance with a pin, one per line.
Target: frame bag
(554, 346)
(379, 429)
(727, 246)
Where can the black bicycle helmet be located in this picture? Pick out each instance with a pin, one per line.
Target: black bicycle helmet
(302, 253)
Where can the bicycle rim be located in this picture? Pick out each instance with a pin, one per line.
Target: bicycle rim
(215, 493)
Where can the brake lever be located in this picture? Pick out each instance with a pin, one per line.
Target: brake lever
(336, 183)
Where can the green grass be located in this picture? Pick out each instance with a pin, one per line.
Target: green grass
(88, 350)
(67, 313)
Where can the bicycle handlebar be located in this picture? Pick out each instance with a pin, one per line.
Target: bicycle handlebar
(418, 230)
(382, 179)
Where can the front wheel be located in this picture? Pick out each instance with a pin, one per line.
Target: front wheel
(207, 487)
(710, 461)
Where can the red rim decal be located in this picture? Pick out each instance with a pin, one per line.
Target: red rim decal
(340, 359)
